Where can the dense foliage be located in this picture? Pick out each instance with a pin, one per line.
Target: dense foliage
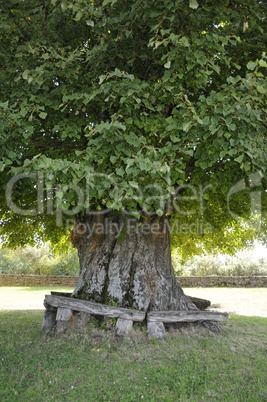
(136, 105)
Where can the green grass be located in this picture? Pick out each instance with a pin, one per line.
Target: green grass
(96, 366)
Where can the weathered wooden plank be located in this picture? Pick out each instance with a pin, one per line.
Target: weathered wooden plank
(202, 304)
(63, 314)
(65, 294)
(94, 308)
(50, 308)
(185, 316)
(155, 330)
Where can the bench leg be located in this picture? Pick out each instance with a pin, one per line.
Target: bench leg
(123, 327)
(49, 321)
(155, 330)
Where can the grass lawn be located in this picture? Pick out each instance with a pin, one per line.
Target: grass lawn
(94, 365)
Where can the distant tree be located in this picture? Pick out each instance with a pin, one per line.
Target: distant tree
(132, 118)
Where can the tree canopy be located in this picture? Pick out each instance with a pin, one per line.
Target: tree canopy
(150, 107)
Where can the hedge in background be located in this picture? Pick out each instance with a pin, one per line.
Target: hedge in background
(38, 261)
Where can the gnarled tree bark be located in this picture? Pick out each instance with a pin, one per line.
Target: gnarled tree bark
(128, 263)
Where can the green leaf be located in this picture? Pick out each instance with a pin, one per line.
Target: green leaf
(232, 126)
(262, 63)
(134, 184)
(159, 212)
(187, 126)
(102, 79)
(136, 214)
(64, 6)
(90, 23)
(189, 152)
(119, 125)
(174, 138)
(105, 2)
(142, 165)
(169, 87)
(120, 172)
(261, 89)
(4, 105)
(168, 64)
(23, 112)
(216, 68)
(42, 115)
(113, 159)
(239, 158)
(203, 165)
(193, 4)
(251, 65)
(59, 194)
(27, 162)
(79, 15)
(185, 42)
(25, 74)
(213, 128)
(130, 162)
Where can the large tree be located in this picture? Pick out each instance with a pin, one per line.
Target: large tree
(137, 119)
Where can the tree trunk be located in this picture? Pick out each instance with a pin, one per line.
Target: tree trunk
(127, 263)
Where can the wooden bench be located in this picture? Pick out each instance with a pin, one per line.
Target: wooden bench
(60, 308)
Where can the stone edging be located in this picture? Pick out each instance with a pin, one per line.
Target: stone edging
(223, 281)
(186, 281)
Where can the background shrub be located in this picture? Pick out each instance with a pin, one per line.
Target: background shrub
(243, 263)
(39, 261)
(43, 261)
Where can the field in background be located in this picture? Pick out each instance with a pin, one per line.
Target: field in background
(26, 298)
(242, 301)
(249, 302)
